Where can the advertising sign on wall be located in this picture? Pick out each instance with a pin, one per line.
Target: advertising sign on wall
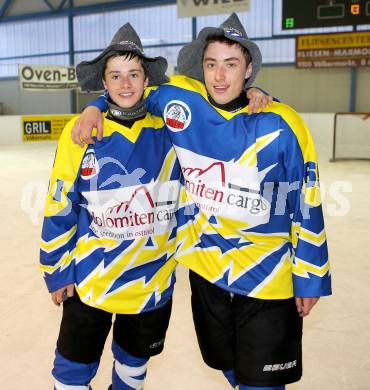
(333, 50)
(189, 8)
(49, 78)
(43, 127)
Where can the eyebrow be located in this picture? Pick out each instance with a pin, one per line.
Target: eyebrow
(226, 59)
(131, 70)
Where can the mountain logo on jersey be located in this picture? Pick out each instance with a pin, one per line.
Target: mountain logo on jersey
(89, 167)
(217, 166)
(230, 189)
(213, 191)
(135, 211)
(177, 115)
(138, 210)
(127, 204)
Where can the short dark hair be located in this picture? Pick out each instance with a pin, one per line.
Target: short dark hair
(128, 55)
(229, 42)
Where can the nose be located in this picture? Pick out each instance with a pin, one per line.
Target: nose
(125, 82)
(220, 73)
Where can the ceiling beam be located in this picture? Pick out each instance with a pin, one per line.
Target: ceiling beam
(5, 7)
(50, 6)
(62, 4)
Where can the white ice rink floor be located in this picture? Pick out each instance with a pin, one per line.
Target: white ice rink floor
(336, 334)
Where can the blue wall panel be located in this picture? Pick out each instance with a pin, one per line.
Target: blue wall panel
(33, 37)
(154, 25)
(157, 26)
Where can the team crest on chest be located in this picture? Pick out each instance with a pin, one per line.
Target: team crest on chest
(177, 115)
(89, 167)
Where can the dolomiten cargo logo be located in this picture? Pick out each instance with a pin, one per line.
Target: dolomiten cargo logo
(144, 210)
(235, 188)
(213, 192)
(177, 115)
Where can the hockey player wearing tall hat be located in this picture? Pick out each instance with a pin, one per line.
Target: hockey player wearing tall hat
(109, 231)
(259, 261)
(255, 243)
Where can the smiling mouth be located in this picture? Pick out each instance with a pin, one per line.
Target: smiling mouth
(220, 89)
(126, 94)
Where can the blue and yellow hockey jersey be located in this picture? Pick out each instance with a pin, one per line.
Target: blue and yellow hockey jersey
(250, 219)
(250, 216)
(110, 223)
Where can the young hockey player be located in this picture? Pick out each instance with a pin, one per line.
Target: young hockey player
(109, 230)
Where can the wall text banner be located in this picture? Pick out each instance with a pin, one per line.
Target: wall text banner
(333, 50)
(189, 8)
(44, 127)
(47, 78)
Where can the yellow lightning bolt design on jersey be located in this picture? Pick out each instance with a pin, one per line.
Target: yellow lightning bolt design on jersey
(110, 220)
(250, 217)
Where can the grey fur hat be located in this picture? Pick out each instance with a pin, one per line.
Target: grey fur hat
(190, 59)
(89, 73)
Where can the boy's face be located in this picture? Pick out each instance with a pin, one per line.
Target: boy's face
(125, 80)
(225, 69)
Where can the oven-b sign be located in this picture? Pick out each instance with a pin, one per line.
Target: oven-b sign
(37, 127)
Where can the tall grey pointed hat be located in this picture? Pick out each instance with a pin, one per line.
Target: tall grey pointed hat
(190, 58)
(89, 73)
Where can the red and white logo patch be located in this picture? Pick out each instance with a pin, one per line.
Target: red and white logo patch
(177, 115)
(89, 167)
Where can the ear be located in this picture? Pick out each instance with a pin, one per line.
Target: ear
(146, 82)
(105, 85)
(249, 71)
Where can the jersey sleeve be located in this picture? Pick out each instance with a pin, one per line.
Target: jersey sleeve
(57, 250)
(311, 273)
(152, 98)
(100, 102)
